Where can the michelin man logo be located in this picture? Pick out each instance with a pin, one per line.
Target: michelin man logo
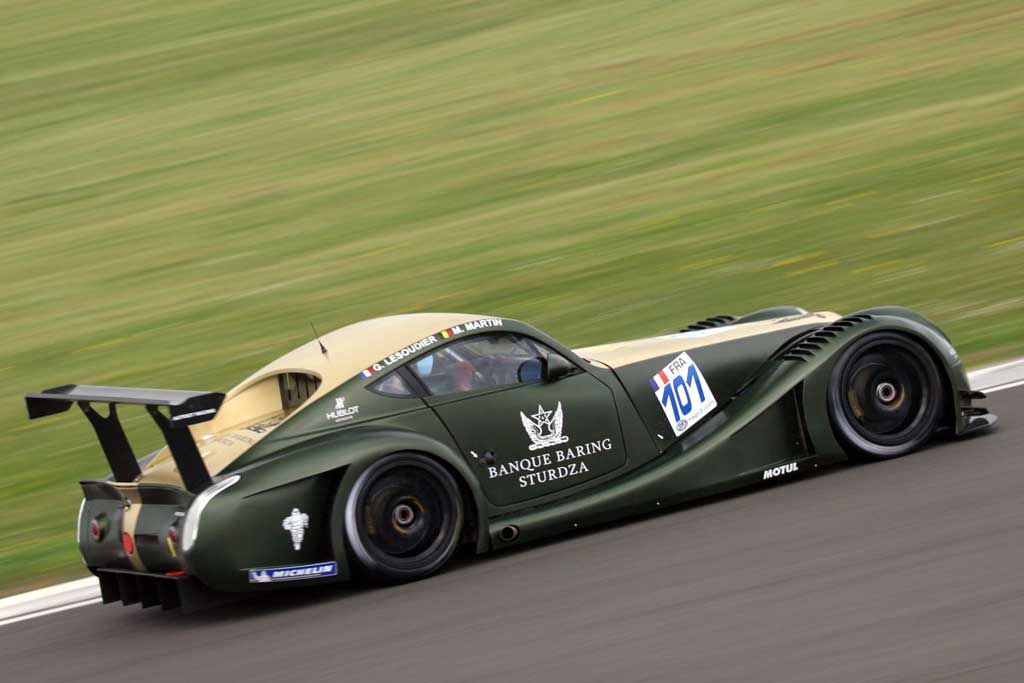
(544, 428)
(260, 576)
(296, 524)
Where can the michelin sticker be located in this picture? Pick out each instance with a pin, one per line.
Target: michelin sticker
(295, 573)
(683, 393)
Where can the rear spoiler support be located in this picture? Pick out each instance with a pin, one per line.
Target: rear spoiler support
(114, 441)
(184, 407)
(184, 451)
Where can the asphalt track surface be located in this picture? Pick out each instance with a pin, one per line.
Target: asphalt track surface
(905, 570)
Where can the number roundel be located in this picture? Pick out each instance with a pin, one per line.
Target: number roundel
(683, 393)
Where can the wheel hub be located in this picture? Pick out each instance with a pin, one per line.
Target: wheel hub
(886, 392)
(403, 515)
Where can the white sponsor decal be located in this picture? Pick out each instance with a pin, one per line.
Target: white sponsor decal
(683, 393)
(773, 472)
(296, 524)
(695, 334)
(544, 427)
(557, 464)
(187, 416)
(341, 413)
(302, 571)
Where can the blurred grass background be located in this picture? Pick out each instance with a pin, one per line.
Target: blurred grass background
(185, 186)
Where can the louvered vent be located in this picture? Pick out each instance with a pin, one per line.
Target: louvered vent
(296, 388)
(807, 346)
(708, 323)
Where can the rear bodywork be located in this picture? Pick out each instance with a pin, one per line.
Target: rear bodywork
(282, 452)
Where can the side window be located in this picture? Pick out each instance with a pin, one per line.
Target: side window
(392, 385)
(481, 362)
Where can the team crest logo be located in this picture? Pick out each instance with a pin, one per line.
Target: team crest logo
(296, 524)
(544, 427)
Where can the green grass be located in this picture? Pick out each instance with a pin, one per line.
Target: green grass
(184, 186)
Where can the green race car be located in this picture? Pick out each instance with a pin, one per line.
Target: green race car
(381, 448)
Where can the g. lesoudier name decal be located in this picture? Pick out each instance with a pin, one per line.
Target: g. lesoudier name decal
(545, 430)
(403, 353)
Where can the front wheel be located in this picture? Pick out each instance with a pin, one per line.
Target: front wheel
(885, 397)
(404, 517)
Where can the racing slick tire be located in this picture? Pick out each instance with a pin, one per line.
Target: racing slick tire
(885, 397)
(404, 518)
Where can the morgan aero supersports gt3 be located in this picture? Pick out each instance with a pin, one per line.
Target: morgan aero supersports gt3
(384, 446)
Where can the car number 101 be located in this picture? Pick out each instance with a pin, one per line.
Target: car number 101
(683, 393)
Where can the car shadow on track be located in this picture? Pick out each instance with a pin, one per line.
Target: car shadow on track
(244, 606)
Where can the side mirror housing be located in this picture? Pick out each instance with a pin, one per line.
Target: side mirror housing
(532, 371)
(556, 368)
(550, 369)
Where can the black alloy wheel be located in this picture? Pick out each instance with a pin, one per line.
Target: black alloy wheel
(404, 517)
(885, 396)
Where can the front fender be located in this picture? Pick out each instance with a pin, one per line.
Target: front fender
(851, 328)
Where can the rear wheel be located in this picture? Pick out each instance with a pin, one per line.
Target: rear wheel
(885, 397)
(404, 517)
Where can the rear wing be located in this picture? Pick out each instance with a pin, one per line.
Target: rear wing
(184, 408)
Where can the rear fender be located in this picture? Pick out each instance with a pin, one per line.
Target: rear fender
(241, 527)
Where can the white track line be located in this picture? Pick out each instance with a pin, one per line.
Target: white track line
(52, 610)
(1002, 387)
(66, 596)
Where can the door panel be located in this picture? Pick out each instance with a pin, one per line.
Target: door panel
(531, 440)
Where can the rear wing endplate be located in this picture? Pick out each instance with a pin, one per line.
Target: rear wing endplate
(183, 408)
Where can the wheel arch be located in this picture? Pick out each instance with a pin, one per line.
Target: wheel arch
(472, 497)
(894, 320)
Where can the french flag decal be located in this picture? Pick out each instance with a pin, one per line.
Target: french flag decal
(367, 373)
(659, 380)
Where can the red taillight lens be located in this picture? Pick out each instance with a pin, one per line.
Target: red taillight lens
(127, 543)
(98, 528)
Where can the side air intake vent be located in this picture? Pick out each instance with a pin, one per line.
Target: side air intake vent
(708, 323)
(805, 347)
(296, 388)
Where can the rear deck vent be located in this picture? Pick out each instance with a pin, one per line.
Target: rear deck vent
(709, 323)
(807, 346)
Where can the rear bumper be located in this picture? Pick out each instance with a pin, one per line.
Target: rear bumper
(149, 590)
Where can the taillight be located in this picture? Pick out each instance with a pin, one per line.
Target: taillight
(127, 543)
(98, 527)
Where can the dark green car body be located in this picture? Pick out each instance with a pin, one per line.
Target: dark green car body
(533, 458)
